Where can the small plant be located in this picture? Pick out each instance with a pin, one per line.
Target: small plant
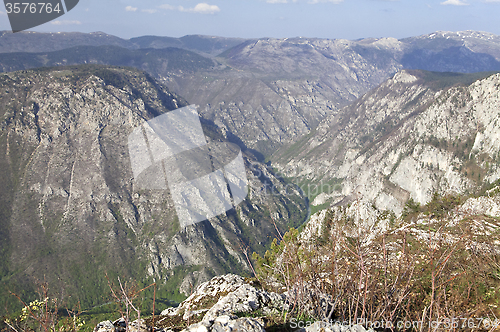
(42, 315)
(126, 295)
(444, 268)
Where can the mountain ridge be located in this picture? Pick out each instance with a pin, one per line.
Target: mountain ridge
(270, 92)
(386, 146)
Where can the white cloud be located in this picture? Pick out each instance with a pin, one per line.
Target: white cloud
(202, 8)
(149, 11)
(66, 22)
(276, 1)
(205, 8)
(2, 13)
(455, 3)
(131, 9)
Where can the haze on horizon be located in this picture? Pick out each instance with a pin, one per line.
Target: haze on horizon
(333, 19)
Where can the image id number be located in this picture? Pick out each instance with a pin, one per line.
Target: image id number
(32, 8)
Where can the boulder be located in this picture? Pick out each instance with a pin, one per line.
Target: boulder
(105, 326)
(243, 300)
(226, 295)
(225, 323)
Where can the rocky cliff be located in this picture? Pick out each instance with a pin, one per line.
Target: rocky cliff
(70, 210)
(416, 134)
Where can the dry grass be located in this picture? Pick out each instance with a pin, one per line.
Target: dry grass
(433, 272)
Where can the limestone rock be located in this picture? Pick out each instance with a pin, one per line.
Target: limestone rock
(105, 326)
(335, 327)
(243, 300)
(245, 324)
(226, 295)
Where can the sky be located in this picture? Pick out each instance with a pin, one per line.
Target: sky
(333, 19)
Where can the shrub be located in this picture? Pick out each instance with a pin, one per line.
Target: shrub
(350, 274)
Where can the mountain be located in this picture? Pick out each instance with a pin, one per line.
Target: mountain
(161, 62)
(70, 212)
(417, 134)
(28, 41)
(205, 45)
(272, 91)
(269, 92)
(341, 119)
(465, 52)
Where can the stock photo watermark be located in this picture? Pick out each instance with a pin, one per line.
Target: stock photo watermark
(204, 179)
(294, 181)
(171, 151)
(25, 15)
(445, 323)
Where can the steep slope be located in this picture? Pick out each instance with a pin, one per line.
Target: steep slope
(69, 209)
(416, 134)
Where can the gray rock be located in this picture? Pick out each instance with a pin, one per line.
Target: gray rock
(105, 326)
(244, 299)
(227, 295)
(329, 327)
(245, 324)
(138, 326)
(198, 327)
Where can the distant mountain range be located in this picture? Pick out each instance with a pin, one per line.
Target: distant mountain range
(268, 92)
(49, 42)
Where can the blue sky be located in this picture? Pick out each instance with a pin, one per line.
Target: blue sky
(350, 19)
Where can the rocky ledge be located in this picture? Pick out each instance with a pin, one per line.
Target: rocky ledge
(223, 304)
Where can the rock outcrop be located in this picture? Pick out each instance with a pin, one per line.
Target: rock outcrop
(224, 304)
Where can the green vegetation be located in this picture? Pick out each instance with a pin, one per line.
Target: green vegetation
(444, 80)
(438, 207)
(392, 276)
(155, 61)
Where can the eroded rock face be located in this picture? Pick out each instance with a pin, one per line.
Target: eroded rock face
(416, 134)
(69, 201)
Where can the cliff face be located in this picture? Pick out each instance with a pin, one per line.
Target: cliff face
(416, 134)
(70, 208)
